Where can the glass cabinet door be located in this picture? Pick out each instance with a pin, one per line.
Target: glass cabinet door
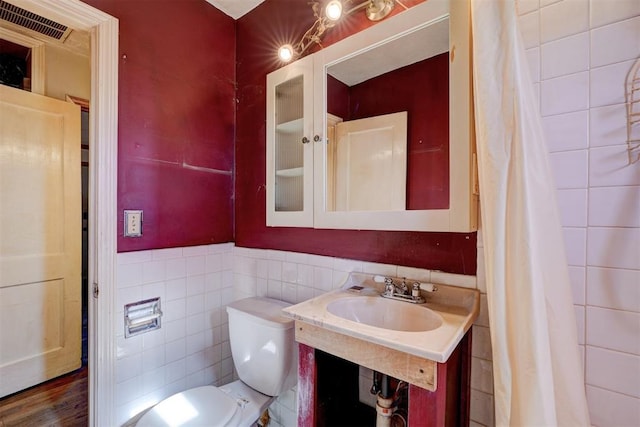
(289, 142)
(289, 148)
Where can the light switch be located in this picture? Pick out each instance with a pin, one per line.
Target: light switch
(132, 223)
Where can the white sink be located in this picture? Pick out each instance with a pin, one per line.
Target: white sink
(430, 331)
(386, 314)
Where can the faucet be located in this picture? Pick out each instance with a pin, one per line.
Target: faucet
(401, 291)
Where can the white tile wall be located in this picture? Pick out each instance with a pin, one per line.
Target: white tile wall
(190, 349)
(575, 240)
(613, 288)
(295, 277)
(565, 94)
(607, 84)
(609, 408)
(572, 204)
(567, 55)
(578, 284)
(610, 11)
(614, 247)
(567, 131)
(625, 33)
(623, 376)
(562, 19)
(482, 410)
(586, 49)
(607, 125)
(570, 168)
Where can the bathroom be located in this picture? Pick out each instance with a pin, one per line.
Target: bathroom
(191, 154)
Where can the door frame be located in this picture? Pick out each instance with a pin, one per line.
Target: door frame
(103, 160)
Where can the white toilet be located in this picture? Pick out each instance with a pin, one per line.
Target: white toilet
(265, 356)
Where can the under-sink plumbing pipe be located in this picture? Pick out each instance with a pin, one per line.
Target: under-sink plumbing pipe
(384, 411)
(384, 404)
(375, 387)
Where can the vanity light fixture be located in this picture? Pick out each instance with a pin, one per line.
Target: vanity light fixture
(375, 10)
(285, 53)
(333, 10)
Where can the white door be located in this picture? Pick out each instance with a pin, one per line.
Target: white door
(370, 163)
(40, 244)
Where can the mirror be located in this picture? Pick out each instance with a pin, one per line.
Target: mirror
(388, 125)
(414, 168)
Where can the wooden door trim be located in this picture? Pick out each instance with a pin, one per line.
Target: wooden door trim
(83, 103)
(37, 57)
(102, 192)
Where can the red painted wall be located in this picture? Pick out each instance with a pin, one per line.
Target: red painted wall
(259, 34)
(176, 121)
(177, 117)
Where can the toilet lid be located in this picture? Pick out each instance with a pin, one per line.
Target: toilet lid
(201, 406)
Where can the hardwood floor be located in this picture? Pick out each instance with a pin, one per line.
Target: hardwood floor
(62, 401)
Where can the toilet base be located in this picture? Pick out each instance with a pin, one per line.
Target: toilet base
(252, 402)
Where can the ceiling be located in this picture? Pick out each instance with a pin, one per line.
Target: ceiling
(235, 8)
(79, 41)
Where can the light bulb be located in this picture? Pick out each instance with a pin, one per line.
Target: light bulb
(333, 10)
(285, 52)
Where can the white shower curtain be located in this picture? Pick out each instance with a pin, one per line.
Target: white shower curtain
(538, 377)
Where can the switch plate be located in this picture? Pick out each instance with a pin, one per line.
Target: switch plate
(132, 223)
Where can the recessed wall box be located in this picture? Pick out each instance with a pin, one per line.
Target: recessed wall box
(142, 316)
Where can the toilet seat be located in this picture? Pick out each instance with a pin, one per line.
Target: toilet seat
(202, 406)
(252, 403)
(271, 347)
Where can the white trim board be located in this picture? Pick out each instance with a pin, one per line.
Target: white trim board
(37, 57)
(102, 192)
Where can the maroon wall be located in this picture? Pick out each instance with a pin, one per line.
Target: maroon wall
(176, 121)
(421, 89)
(259, 34)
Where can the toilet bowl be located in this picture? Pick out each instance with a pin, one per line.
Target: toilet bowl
(264, 353)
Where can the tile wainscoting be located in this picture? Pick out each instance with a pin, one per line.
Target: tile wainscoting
(580, 52)
(196, 283)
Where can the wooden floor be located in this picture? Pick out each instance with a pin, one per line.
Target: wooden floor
(60, 402)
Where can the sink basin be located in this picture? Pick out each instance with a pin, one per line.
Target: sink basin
(429, 331)
(385, 313)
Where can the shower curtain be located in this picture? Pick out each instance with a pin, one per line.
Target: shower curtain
(538, 376)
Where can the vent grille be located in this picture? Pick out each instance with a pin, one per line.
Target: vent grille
(31, 21)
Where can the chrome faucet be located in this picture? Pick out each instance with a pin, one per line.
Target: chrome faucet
(401, 292)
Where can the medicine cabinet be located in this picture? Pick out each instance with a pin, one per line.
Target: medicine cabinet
(290, 124)
(375, 132)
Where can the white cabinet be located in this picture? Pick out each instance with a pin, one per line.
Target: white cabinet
(303, 184)
(290, 133)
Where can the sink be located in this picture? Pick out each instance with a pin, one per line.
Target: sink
(386, 314)
(430, 331)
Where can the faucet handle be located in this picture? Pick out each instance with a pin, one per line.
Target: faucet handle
(415, 290)
(403, 285)
(389, 287)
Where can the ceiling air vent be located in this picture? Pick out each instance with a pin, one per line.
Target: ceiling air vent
(32, 22)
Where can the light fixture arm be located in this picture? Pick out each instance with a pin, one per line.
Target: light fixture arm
(374, 9)
(357, 7)
(315, 32)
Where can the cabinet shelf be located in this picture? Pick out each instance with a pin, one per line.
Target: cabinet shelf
(291, 126)
(291, 172)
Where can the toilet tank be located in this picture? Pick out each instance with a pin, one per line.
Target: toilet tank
(263, 347)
